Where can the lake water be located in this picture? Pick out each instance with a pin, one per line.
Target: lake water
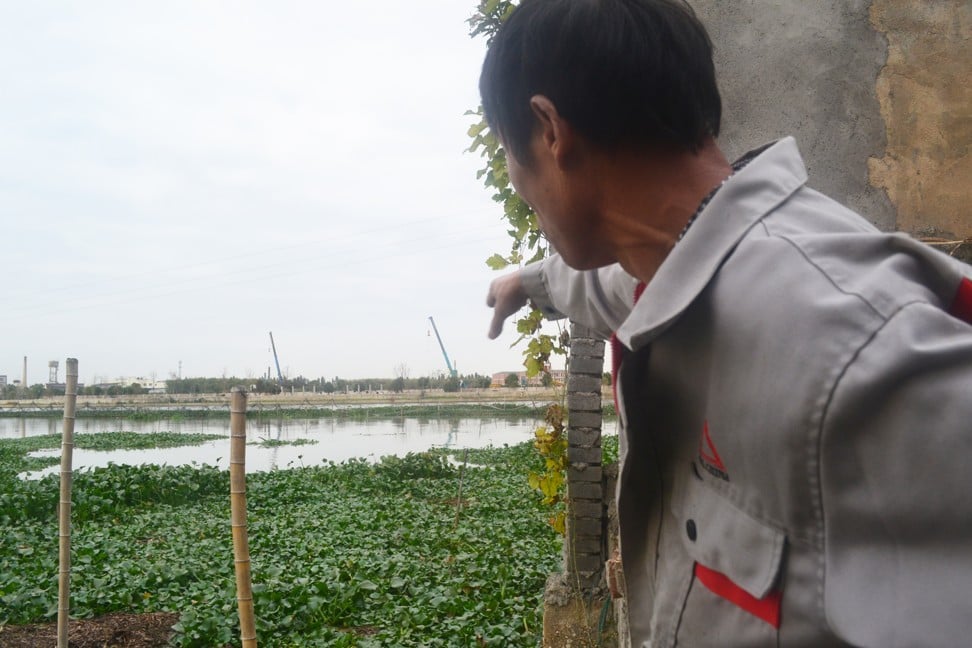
(336, 439)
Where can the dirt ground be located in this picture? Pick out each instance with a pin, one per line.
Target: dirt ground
(109, 631)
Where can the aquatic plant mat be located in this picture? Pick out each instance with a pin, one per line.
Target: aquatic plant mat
(351, 554)
(13, 452)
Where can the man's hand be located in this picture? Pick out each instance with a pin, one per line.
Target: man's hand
(505, 297)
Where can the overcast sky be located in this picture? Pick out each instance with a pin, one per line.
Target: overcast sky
(179, 178)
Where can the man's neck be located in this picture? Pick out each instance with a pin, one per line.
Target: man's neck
(648, 201)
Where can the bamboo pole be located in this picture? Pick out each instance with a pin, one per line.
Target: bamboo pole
(241, 548)
(64, 506)
(462, 469)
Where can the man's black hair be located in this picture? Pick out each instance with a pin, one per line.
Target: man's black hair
(634, 74)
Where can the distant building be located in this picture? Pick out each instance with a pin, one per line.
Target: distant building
(149, 384)
(499, 379)
(3, 381)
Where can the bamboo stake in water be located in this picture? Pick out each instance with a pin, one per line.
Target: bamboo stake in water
(64, 507)
(241, 547)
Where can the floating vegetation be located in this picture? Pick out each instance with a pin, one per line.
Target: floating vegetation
(352, 554)
(14, 452)
(276, 443)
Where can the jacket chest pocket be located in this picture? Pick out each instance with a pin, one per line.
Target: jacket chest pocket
(735, 594)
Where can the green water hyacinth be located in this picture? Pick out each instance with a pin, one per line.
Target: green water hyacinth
(351, 554)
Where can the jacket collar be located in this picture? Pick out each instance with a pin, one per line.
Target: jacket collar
(749, 195)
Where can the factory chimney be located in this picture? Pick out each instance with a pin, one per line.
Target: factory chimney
(23, 380)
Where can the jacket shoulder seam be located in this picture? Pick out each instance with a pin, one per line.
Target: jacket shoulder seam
(826, 275)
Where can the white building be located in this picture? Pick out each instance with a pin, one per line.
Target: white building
(150, 384)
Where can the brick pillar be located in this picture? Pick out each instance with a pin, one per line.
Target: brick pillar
(584, 544)
(575, 601)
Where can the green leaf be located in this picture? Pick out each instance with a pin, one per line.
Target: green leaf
(476, 129)
(497, 262)
(533, 367)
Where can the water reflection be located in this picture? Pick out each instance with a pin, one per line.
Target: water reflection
(336, 440)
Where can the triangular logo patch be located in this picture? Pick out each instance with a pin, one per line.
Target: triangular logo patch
(709, 456)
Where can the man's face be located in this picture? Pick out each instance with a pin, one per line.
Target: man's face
(525, 180)
(561, 201)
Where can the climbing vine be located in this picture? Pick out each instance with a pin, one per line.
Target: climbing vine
(528, 244)
(550, 442)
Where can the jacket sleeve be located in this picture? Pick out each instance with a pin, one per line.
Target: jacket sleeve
(895, 477)
(600, 299)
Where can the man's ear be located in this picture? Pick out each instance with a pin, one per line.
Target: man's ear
(556, 135)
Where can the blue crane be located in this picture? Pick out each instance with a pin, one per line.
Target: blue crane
(276, 362)
(452, 370)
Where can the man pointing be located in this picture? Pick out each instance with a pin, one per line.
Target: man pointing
(794, 387)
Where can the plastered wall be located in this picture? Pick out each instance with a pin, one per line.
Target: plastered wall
(925, 93)
(878, 94)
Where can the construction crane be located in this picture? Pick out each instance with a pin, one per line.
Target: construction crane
(276, 361)
(452, 370)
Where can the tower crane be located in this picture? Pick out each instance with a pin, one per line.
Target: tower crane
(276, 361)
(452, 370)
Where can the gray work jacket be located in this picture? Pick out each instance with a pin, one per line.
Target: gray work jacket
(796, 424)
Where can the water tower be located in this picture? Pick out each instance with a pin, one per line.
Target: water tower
(52, 366)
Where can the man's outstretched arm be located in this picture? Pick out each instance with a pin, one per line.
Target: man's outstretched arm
(600, 299)
(506, 296)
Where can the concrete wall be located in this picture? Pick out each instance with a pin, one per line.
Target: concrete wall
(925, 92)
(877, 93)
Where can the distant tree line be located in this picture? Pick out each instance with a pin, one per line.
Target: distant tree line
(328, 385)
(10, 392)
(220, 385)
(111, 390)
(265, 386)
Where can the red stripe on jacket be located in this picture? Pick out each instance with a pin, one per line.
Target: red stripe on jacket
(766, 608)
(962, 304)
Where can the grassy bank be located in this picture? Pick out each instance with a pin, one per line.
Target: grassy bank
(353, 554)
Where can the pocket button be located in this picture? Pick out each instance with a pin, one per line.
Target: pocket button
(691, 530)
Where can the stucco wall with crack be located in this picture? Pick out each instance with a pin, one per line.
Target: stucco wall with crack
(878, 94)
